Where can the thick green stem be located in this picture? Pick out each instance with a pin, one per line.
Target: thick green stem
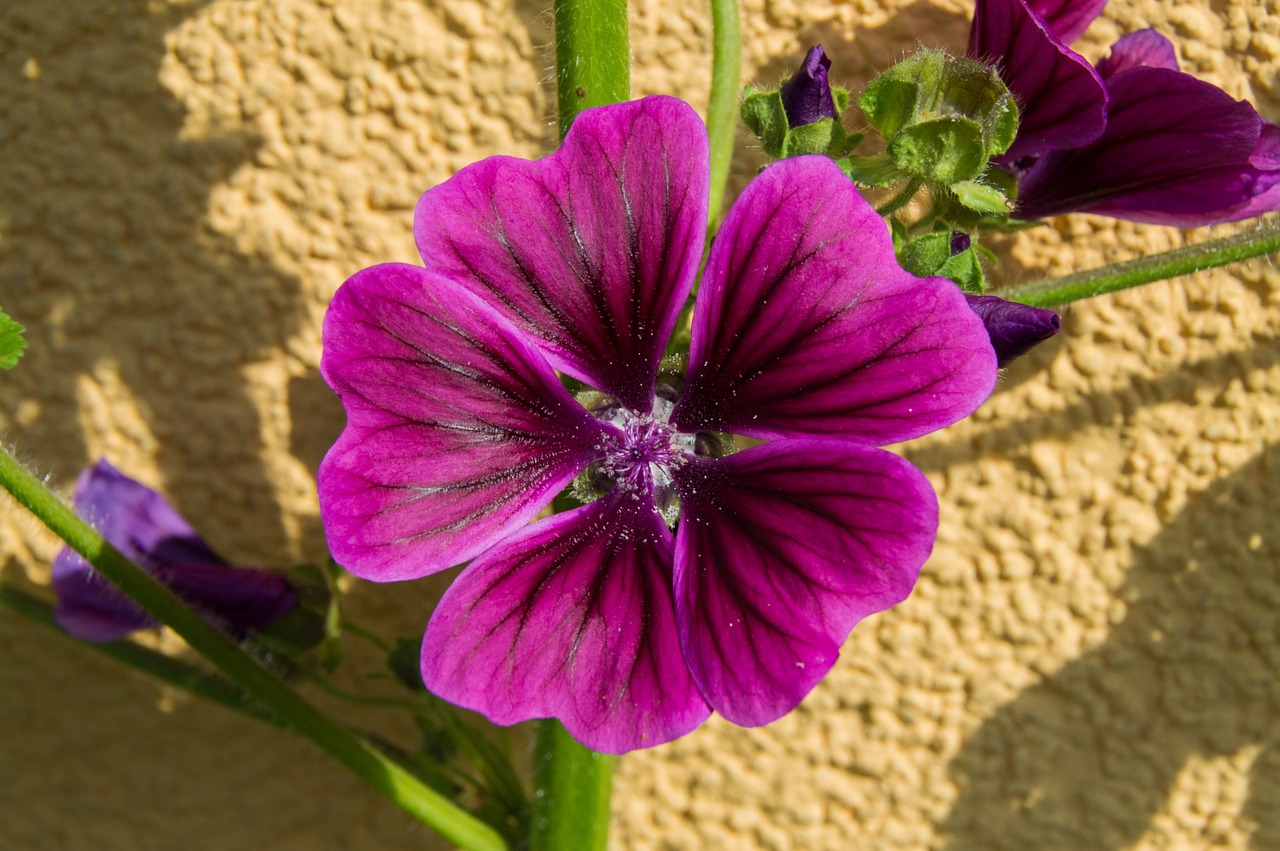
(357, 754)
(593, 56)
(574, 783)
(722, 109)
(1256, 242)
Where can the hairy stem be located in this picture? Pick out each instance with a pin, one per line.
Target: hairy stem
(722, 109)
(593, 56)
(1255, 242)
(358, 754)
(574, 784)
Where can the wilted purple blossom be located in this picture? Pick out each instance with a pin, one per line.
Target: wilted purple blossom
(806, 97)
(1134, 138)
(1014, 328)
(1176, 150)
(806, 334)
(143, 526)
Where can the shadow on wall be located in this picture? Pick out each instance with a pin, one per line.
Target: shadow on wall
(1087, 758)
(107, 257)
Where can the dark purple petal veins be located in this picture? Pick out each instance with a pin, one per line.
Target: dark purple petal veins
(1061, 100)
(781, 550)
(1014, 328)
(571, 619)
(806, 325)
(458, 432)
(1137, 49)
(1067, 19)
(1177, 151)
(148, 530)
(591, 251)
(806, 97)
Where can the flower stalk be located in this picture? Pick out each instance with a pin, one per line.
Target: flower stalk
(593, 56)
(574, 785)
(357, 754)
(1255, 242)
(722, 110)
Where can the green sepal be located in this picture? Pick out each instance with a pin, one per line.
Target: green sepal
(405, 663)
(840, 97)
(309, 634)
(874, 170)
(765, 116)
(898, 231)
(980, 197)
(944, 150)
(930, 255)
(12, 343)
(820, 137)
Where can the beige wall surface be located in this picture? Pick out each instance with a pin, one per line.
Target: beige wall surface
(1090, 660)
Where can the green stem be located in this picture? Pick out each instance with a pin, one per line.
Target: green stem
(571, 807)
(593, 56)
(1255, 242)
(722, 109)
(175, 672)
(357, 754)
(897, 202)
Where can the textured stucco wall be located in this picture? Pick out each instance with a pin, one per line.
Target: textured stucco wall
(1090, 659)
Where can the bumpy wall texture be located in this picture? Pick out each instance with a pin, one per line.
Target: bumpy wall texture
(1090, 660)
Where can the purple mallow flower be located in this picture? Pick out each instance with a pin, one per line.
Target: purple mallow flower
(806, 334)
(146, 528)
(1176, 150)
(806, 97)
(1134, 138)
(1014, 328)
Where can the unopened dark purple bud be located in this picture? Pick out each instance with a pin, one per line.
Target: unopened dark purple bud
(960, 242)
(1014, 328)
(806, 97)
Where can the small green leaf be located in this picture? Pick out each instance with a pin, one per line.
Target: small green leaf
(764, 115)
(12, 343)
(889, 103)
(965, 270)
(840, 97)
(980, 198)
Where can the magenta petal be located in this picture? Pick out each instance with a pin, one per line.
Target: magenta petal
(458, 432)
(806, 325)
(591, 251)
(1061, 100)
(781, 550)
(571, 619)
(148, 530)
(1068, 19)
(1142, 48)
(1177, 151)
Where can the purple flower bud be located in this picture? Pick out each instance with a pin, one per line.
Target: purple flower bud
(806, 97)
(960, 242)
(1014, 328)
(145, 527)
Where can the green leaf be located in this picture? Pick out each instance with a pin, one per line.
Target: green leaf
(889, 103)
(764, 115)
(945, 150)
(965, 270)
(925, 255)
(12, 343)
(981, 198)
(840, 96)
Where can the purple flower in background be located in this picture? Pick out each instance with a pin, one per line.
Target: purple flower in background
(806, 97)
(1134, 138)
(1014, 328)
(1176, 150)
(1062, 101)
(806, 334)
(145, 527)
